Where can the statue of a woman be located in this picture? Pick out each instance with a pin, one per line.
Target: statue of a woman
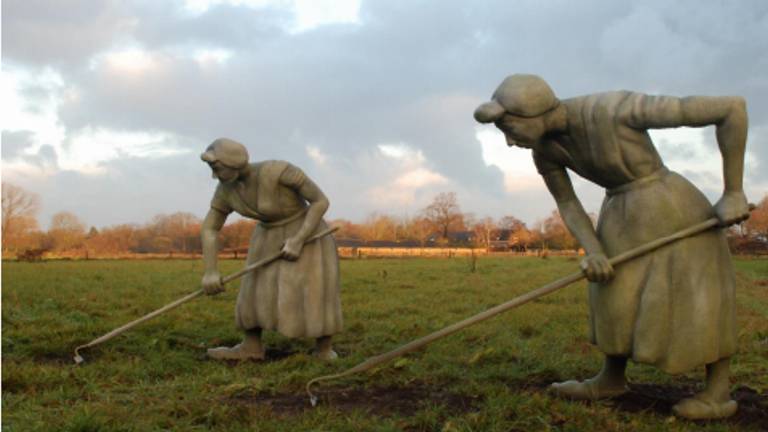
(298, 295)
(673, 308)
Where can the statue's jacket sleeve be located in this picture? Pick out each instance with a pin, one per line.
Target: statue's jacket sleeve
(220, 201)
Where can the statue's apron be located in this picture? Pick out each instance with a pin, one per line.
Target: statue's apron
(673, 308)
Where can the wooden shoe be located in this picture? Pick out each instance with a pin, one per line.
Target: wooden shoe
(237, 352)
(702, 409)
(586, 390)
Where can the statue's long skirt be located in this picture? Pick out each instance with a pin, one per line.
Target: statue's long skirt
(297, 298)
(673, 308)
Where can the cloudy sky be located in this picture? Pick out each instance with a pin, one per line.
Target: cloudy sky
(106, 104)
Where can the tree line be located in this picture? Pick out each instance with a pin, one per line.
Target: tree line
(177, 232)
(441, 223)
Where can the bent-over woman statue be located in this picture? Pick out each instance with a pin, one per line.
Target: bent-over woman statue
(673, 308)
(298, 295)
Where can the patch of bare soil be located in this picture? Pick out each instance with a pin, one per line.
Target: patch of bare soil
(380, 401)
(54, 358)
(763, 282)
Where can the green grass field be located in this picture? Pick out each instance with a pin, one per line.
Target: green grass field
(492, 376)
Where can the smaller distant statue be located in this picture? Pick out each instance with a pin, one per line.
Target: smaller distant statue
(298, 295)
(673, 308)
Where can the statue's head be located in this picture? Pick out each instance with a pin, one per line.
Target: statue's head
(515, 107)
(226, 157)
(521, 95)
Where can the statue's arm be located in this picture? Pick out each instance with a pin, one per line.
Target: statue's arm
(595, 265)
(729, 116)
(209, 234)
(318, 205)
(731, 133)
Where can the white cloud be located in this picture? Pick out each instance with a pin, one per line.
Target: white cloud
(308, 14)
(17, 112)
(86, 150)
(197, 7)
(418, 178)
(404, 174)
(311, 14)
(516, 163)
(83, 150)
(401, 151)
(131, 60)
(317, 156)
(210, 57)
(694, 153)
(690, 151)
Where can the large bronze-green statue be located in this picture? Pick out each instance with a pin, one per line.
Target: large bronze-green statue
(298, 295)
(673, 308)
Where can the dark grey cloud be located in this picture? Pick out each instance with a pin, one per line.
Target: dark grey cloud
(133, 191)
(222, 25)
(62, 33)
(18, 146)
(15, 142)
(411, 72)
(47, 156)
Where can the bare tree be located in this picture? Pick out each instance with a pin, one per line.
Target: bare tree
(511, 223)
(520, 237)
(418, 228)
(380, 227)
(347, 229)
(19, 208)
(179, 231)
(237, 234)
(67, 231)
(114, 239)
(444, 213)
(484, 231)
(555, 233)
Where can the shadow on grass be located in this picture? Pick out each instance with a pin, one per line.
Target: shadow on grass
(659, 399)
(379, 401)
(60, 358)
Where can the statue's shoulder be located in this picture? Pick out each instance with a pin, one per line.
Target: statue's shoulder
(601, 98)
(601, 107)
(270, 169)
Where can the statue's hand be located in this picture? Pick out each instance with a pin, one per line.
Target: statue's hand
(292, 248)
(597, 268)
(732, 208)
(212, 283)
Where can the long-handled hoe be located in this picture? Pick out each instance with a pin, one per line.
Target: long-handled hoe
(274, 257)
(517, 301)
